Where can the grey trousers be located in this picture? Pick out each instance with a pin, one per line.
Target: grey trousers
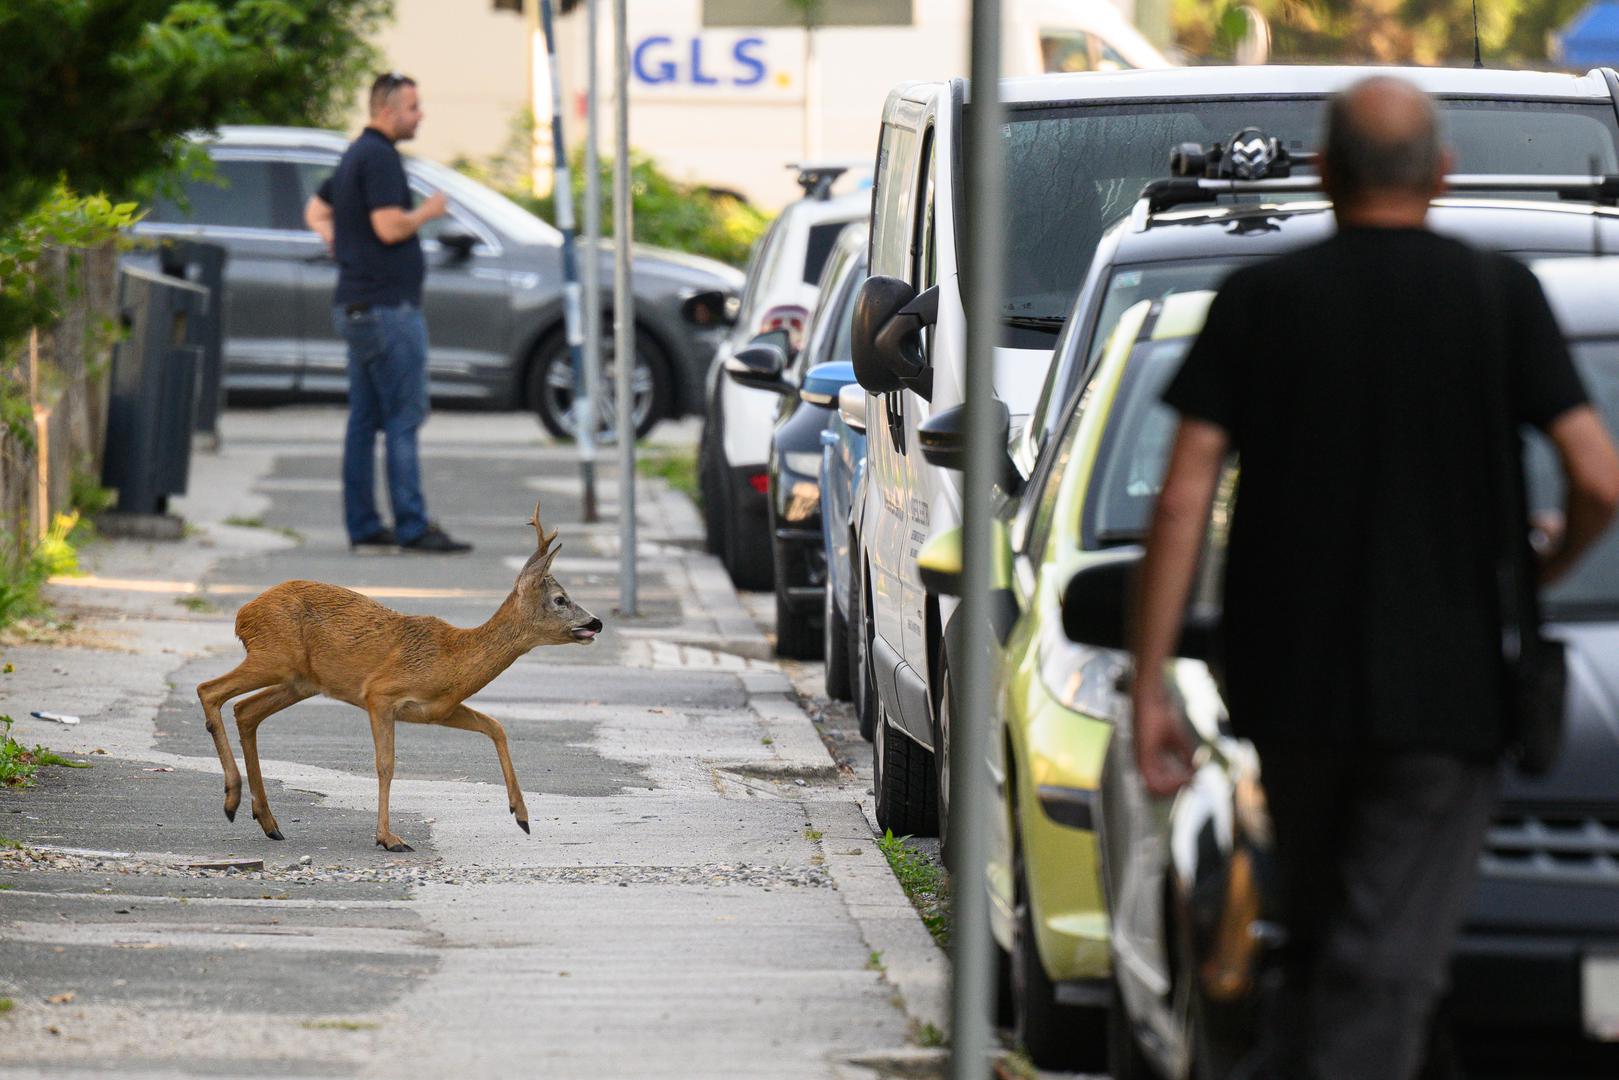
(1375, 856)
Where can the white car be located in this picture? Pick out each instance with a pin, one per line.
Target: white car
(780, 293)
(1079, 149)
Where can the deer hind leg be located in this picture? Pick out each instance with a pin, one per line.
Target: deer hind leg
(250, 713)
(382, 734)
(472, 720)
(214, 693)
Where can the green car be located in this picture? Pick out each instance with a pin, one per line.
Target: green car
(1055, 700)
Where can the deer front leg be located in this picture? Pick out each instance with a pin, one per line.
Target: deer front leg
(469, 719)
(246, 676)
(250, 713)
(382, 734)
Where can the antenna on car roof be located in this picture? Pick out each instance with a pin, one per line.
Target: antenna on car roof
(1478, 56)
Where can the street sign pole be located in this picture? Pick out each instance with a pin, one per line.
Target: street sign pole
(584, 416)
(623, 310)
(593, 256)
(973, 986)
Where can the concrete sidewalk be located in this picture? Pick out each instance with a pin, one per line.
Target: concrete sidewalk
(701, 895)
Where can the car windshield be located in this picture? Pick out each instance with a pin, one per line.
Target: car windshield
(1073, 170)
(514, 223)
(1591, 589)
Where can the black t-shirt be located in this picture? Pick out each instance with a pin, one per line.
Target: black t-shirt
(1360, 604)
(371, 176)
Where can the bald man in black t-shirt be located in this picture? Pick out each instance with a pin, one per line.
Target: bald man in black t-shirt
(1363, 641)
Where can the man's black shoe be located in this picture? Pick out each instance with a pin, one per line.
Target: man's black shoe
(435, 541)
(381, 540)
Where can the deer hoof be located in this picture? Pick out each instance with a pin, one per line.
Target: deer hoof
(275, 834)
(230, 813)
(399, 847)
(521, 824)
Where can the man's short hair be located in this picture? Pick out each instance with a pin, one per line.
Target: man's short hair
(385, 86)
(1364, 158)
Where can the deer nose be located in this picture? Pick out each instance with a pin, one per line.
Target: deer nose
(594, 624)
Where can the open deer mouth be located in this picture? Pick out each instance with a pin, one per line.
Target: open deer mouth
(588, 631)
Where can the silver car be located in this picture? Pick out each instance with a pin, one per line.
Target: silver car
(493, 296)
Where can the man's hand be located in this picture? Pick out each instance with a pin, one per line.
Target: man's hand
(434, 206)
(1163, 747)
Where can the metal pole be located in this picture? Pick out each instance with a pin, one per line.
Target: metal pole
(623, 310)
(593, 267)
(973, 987)
(584, 427)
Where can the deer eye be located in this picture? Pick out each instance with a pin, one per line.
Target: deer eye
(560, 601)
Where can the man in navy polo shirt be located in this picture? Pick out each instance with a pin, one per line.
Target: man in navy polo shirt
(365, 213)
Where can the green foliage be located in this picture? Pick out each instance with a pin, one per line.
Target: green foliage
(676, 466)
(18, 764)
(62, 219)
(667, 213)
(87, 496)
(21, 576)
(924, 882)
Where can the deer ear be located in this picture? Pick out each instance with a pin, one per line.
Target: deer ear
(545, 559)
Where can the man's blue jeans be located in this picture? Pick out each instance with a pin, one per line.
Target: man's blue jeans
(387, 349)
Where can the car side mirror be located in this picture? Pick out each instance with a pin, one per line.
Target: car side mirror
(852, 406)
(886, 337)
(942, 438)
(762, 362)
(711, 307)
(458, 244)
(1096, 602)
(823, 383)
(939, 567)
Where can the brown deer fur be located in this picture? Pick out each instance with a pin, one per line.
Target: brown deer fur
(305, 638)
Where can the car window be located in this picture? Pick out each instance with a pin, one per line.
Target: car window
(1135, 445)
(1073, 170)
(891, 202)
(311, 175)
(762, 265)
(841, 347)
(818, 247)
(1591, 589)
(241, 194)
(1065, 51)
(1042, 498)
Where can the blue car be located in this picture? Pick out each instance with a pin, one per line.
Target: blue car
(843, 470)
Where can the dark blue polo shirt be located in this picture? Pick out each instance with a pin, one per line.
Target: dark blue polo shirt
(371, 176)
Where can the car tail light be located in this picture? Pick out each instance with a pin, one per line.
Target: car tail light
(789, 317)
(760, 482)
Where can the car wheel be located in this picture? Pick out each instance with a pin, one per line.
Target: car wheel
(1125, 1060)
(1055, 1036)
(797, 636)
(907, 798)
(941, 761)
(835, 646)
(865, 682)
(550, 391)
(710, 486)
(748, 543)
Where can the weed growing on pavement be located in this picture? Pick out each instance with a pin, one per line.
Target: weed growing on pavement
(341, 1025)
(22, 575)
(874, 962)
(924, 882)
(767, 741)
(927, 1035)
(1016, 1064)
(245, 522)
(813, 834)
(676, 467)
(194, 603)
(18, 764)
(6, 1005)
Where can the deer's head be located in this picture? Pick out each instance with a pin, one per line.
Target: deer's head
(552, 615)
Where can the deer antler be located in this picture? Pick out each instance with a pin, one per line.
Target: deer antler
(543, 542)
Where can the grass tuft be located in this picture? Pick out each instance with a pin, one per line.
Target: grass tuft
(924, 882)
(341, 1025)
(675, 466)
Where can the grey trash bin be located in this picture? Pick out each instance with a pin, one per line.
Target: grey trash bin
(153, 390)
(203, 264)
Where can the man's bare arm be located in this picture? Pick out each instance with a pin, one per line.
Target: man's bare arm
(1591, 466)
(318, 216)
(1163, 750)
(394, 225)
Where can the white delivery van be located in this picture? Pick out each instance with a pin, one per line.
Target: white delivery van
(726, 92)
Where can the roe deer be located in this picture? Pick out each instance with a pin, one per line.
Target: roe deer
(305, 638)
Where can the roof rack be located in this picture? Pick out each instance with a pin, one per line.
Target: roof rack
(817, 177)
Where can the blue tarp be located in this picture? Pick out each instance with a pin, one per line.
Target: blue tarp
(1591, 38)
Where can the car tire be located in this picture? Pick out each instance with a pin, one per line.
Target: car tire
(797, 636)
(907, 797)
(835, 648)
(1125, 1059)
(1055, 1036)
(546, 396)
(710, 484)
(748, 558)
(865, 682)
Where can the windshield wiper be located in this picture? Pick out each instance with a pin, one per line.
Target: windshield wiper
(1050, 323)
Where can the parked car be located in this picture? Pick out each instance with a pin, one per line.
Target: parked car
(1054, 910)
(493, 296)
(779, 294)
(807, 390)
(1079, 150)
